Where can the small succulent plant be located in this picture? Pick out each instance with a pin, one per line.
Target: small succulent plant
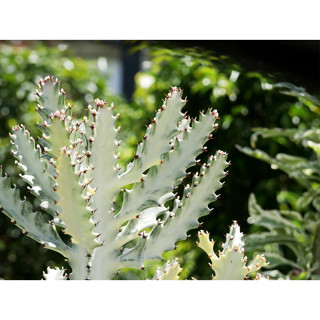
(231, 263)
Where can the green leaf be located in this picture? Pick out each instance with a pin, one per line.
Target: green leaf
(270, 219)
(301, 171)
(271, 133)
(276, 260)
(259, 240)
(306, 198)
(316, 203)
(292, 90)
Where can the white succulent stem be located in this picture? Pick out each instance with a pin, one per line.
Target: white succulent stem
(230, 263)
(164, 235)
(149, 153)
(170, 271)
(188, 144)
(34, 167)
(54, 274)
(156, 140)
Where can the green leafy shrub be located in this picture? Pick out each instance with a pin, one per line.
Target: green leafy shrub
(297, 225)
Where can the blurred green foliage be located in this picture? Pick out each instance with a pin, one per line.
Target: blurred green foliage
(292, 238)
(20, 70)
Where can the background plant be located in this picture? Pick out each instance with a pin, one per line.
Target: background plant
(291, 235)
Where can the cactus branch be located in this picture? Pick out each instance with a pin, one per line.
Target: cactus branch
(230, 263)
